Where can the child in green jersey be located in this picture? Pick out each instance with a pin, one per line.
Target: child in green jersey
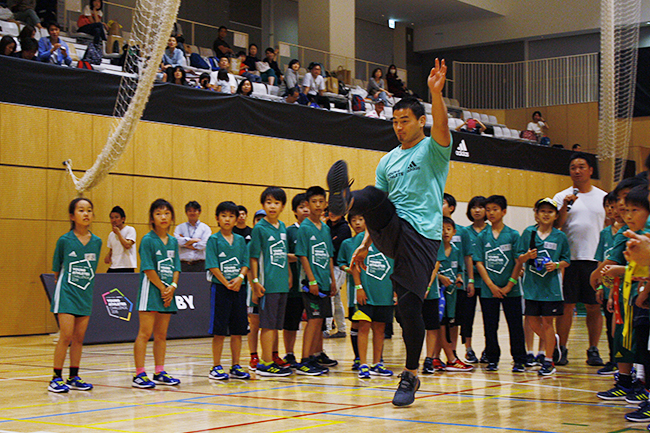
(544, 252)
(74, 266)
(160, 268)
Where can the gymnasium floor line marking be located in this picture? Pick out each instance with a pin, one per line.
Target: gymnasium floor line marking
(68, 425)
(576, 403)
(313, 426)
(142, 417)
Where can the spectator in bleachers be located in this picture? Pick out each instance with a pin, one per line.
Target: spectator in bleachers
(52, 49)
(395, 85)
(473, 126)
(90, 21)
(314, 86)
(27, 32)
(223, 82)
(378, 112)
(538, 126)
(576, 148)
(7, 45)
(245, 88)
(224, 63)
(291, 77)
(173, 56)
(176, 75)
(273, 64)
(177, 32)
(204, 82)
(377, 87)
(24, 10)
(251, 62)
(220, 46)
(292, 96)
(28, 51)
(243, 69)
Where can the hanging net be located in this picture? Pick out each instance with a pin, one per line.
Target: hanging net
(152, 24)
(619, 43)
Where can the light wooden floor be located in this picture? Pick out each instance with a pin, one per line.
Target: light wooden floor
(339, 402)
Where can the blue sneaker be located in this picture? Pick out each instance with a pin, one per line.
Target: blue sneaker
(492, 366)
(356, 364)
(380, 370)
(57, 385)
(272, 370)
(290, 359)
(237, 372)
(78, 384)
(163, 378)
(309, 369)
(616, 393)
(142, 381)
(217, 373)
(408, 385)
(364, 371)
(314, 362)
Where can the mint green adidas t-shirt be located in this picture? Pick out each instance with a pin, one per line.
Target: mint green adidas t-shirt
(316, 245)
(605, 244)
(376, 280)
(269, 245)
(228, 258)
(415, 181)
(499, 258)
(450, 266)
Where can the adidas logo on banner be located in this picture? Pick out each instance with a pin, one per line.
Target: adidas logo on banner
(412, 167)
(72, 254)
(312, 238)
(271, 238)
(222, 254)
(462, 149)
(158, 253)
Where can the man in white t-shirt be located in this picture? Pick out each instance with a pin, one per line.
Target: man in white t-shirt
(582, 217)
(122, 253)
(314, 86)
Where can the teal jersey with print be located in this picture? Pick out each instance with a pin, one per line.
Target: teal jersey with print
(316, 245)
(376, 280)
(415, 181)
(228, 258)
(292, 240)
(162, 258)
(544, 285)
(76, 264)
(605, 244)
(450, 266)
(616, 252)
(269, 245)
(499, 258)
(348, 247)
(472, 235)
(647, 225)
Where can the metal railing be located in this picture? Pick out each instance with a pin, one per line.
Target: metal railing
(532, 83)
(359, 69)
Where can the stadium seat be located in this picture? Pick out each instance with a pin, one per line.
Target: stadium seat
(466, 114)
(498, 132)
(205, 52)
(493, 120)
(7, 28)
(484, 118)
(514, 133)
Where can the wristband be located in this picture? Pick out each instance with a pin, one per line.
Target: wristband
(174, 285)
(470, 281)
(599, 288)
(358, 287)
(241, 276)
(313, 283)
(512, 280)
(256, 280)
(557, 265)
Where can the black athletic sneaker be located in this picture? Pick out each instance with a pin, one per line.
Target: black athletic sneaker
(484, 358)
(616, 393)
(427, 366)
(608, 369)
(642, 414)
(408, 385)
(539, 359)
(492, 366)
(339, 185)
(518, 368)
(593, 357)
(326, 361)
(530, 360)
(547, 369)
(470, 357)
(564, 357)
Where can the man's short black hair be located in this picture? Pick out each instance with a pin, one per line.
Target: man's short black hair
(292, 91)
(478, 200)
(610, 198)
(314, 191)
(241, 53)
(447, 220)
(638, 196)
(274, 192)
(118, 210)
(537, 112)
(451, 201)
(193, 205)
(629, 183)
(575, 146)
(580, 155)
(222, 28)
(227, 206)
(410, 103)
(269, 50)
(498, 200)
(297, 200)
(241, 207)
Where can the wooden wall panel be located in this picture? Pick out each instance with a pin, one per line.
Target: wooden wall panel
(148, 190)
(23, 190)
(287, 166)
(153, 149)
(101, 128)
(228, 162)
(190, 153)
(69, 137)
(24, 133)
(578, 126)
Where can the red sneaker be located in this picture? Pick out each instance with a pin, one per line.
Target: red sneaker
(459, 365)
(279, 361)
(438, 365)
(253, 364)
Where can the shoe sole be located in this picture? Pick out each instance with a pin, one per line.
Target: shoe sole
(269, 374)
(158, 382)
(637, 402)
(232, 376)
(135, 385)
(611, 398)
(338, 184)
(608, 373)
(637, 420)
(374, 373)
(364, 377)
(455, 369)
(76, 388)
(218, 378)
(305, 373)
(331, 364)
(57, 391)
(251, 368)
(546, 373)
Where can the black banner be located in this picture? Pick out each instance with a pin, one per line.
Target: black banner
(115, 314)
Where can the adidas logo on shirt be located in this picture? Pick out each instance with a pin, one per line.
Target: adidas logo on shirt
(72, 254)
(462, 149)
(158, 253)
(271, 238)
(488, 245)
(312, 238)
(412, 167)
(222, 254)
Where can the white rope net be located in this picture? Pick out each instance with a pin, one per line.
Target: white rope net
(619, 43)
(152, 24)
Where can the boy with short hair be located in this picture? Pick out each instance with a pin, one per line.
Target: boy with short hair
(348, 247)
(544, 252)
(226, 262)
(496, 262)
(315, 251)
(122, 254)
(271, 277)
(295, 307)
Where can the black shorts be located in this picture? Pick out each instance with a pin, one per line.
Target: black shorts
(449, 322)
(351, 311)
(293, 313)
(271, 310)
(317, 307)
(576, 285)
(431, 314)
(544, 308)
(378, 313)
(227, 311)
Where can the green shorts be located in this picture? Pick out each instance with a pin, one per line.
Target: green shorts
(622, 354)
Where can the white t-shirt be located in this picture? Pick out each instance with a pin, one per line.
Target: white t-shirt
(314, 84)
(584, 222)
(536, 127)
(88, 12)
(121, 257)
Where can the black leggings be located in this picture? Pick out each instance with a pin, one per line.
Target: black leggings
(409, 306)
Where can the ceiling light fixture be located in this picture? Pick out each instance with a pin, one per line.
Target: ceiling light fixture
(391, 23)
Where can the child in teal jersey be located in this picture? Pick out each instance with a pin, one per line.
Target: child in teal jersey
(74, 266)
(544, 252)
(160, 268)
